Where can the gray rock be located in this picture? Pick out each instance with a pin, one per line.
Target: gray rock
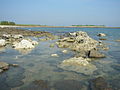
(95, 54)
(4, 66)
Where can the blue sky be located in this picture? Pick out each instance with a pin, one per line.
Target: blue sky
(61, 12)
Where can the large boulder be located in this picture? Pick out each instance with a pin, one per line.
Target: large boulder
(24, 44)
(2, 42)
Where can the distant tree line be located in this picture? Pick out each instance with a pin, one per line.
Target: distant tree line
(88, 25)
(7, 23)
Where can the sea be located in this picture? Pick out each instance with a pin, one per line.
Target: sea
(38, 70)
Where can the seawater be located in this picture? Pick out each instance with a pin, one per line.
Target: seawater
(39, 71)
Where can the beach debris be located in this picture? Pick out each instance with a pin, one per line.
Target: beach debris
(54, 55)
(2, 42)
(69, 85)
(101, 35)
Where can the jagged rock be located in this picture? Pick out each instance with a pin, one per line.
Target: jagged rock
(24, 44)
(81, 42)
(2, 42)
(99, 84)
(101, 35)
(95, 54)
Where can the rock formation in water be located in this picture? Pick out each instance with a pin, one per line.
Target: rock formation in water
(85, 47)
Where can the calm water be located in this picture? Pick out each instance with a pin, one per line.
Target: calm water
(39, 71)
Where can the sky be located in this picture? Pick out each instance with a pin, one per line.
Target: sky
(61, 12)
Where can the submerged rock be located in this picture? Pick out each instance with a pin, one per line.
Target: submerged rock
(77, 61)
(64, 51)
(69, 85)
(37, 85)
(52, 45)
(99, 84)
(79, 65)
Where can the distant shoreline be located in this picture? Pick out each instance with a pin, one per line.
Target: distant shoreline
(2, 26)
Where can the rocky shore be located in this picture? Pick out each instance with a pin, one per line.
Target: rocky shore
(19, 39)
(14, 31)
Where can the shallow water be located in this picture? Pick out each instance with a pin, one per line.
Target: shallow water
(39, 71)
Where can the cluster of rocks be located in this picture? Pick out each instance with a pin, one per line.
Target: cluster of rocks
(5, 66)
(17, 41)
(85, 47)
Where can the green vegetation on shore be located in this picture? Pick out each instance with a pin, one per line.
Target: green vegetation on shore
(29, 25)
(7, 23)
